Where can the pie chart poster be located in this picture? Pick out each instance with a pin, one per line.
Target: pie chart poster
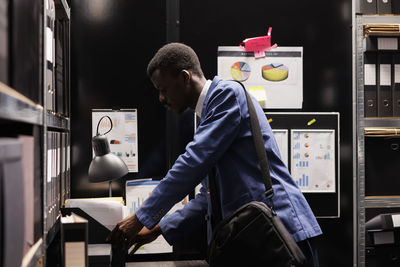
(279, 73)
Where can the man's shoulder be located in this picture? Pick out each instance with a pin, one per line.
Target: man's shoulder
(228, 86)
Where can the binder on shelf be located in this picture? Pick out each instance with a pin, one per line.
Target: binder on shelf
(384, 6)
(396, 86)
(59, 67)
(385, 106)
(62, 169)
(50, 56)
(370, 91)
(368, 6)
(11, 202)
(48, 181)
(29, 192)
(74, 241)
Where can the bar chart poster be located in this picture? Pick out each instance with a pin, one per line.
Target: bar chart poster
(313, 160)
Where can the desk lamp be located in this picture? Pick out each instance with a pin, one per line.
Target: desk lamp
(105, 166)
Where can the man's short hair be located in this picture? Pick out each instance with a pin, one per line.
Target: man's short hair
(175, 57)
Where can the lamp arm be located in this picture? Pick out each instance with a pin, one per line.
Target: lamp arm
(98, 124)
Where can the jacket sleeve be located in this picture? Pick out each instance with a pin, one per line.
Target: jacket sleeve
(185, 220)
(217, 130)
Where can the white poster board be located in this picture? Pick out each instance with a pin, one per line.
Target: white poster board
(313, 160)
(123, 136)
(137, 191)
(275, 80)
(281, 137)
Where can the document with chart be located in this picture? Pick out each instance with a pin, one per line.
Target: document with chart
(313, 160)
(137, 191)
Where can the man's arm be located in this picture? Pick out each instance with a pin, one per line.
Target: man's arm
(218, 129)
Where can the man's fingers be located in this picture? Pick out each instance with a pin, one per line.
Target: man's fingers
(111, 234)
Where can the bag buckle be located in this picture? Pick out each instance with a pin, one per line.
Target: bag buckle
(269, 194)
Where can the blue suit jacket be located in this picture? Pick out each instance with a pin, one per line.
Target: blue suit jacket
(223, 139)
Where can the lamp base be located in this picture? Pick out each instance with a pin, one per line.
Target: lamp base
(109, 188)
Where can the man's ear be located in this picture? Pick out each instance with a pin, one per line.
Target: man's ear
(187, 76)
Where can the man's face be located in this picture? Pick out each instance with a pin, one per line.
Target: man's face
(171, 90)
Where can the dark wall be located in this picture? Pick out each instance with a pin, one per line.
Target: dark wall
(109, 57)
(111, 44)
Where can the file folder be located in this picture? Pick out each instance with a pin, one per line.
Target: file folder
(368, 6)
(370, 85)
(396, 86)
(385, 107)
(384, 6)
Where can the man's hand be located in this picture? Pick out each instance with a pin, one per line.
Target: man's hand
(125, 232)
(145, 236)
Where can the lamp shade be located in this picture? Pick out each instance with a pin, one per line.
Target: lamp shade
(105, 166)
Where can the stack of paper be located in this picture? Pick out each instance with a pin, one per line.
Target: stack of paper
(381, 30)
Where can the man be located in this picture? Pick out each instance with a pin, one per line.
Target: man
(223, 140)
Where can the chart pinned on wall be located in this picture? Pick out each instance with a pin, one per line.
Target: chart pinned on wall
(281, 137)
(123, 136)
(313, 160)
(313, 156)
(279, 74)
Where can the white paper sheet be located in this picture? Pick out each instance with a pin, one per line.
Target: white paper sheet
(313, 160)
(106, 212)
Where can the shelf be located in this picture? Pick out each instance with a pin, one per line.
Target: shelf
(17, 107)
(379, 19)
(382, 202)
(57, 121)
(62, 9)
(382, 122)
(33, 255)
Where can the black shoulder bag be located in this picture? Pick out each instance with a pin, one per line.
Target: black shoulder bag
(253, 235)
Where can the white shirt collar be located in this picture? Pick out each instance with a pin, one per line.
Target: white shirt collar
(200, 101)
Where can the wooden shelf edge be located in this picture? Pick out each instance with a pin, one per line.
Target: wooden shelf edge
(5, 89)
(33, 255)
(16, 107)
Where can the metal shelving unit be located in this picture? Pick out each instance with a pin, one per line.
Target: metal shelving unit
(361, 202)
(16, 108)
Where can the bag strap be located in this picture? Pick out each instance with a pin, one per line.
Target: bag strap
(262, 158)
